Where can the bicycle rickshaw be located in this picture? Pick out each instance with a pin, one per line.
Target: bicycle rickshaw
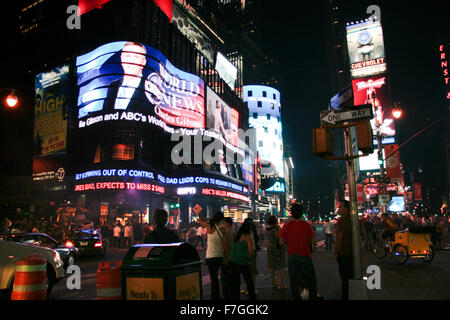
(414, 243)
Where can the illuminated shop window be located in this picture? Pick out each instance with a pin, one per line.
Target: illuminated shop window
(123, 152)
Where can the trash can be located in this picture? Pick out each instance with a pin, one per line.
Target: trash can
(162, 272)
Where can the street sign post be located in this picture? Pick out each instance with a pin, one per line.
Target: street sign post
(336, 117)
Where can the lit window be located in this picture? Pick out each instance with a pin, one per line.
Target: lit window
(123, 152)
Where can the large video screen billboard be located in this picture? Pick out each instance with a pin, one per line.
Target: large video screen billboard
(131, 81)
(366, 49)
(50, 111)
(375, 90)
(222, 118)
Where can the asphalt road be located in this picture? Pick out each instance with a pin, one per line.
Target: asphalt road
(411, 281)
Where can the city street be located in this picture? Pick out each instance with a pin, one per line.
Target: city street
(415, 280)
(160, 121)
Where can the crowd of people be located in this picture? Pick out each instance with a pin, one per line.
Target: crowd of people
(232, 248)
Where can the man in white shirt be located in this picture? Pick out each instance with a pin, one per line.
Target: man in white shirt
(117, 231)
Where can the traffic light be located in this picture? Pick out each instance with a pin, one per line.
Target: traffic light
(322, 142)
(365, 137)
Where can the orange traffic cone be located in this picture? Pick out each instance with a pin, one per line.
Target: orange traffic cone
(30, 279)
(108, 281)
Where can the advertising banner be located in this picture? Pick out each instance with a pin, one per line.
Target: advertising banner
(366, 49)
(193, 32)
(360, 193)
(375, 91)
(226, 70)
(50, 111)
(130, 81)
(393, 164)
(418, 191)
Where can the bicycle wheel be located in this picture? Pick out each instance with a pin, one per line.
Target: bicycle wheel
(400, 253)
(379, 249)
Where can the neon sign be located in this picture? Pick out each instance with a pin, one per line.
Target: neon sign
(224, 194)
(127, 173)
(444, 66)
(119, 186)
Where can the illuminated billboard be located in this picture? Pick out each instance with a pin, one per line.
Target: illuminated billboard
(50, 111)
(222, 118)
(129, 81)
(226, 70)
(193, 32)
(366, 49)
(370, 162)
(375, 91)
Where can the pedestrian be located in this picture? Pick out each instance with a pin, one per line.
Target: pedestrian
(128, 235)
(299, 237)
(253, 256)
(239, 261)
(161, 234)
(226, 275)
(116, 235)
(328, 230)
(368, 238)
(343, 250)
(192, 235)
(199, 237)
(16, 228)
(214, 250)
(276, 254)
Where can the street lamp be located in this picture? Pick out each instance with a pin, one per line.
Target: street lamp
(396, 111)
(11, 99)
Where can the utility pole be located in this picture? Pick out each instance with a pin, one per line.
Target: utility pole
(354, 220)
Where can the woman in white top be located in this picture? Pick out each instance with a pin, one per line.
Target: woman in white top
(215, 248)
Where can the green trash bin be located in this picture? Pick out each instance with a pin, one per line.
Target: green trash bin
(162, 272)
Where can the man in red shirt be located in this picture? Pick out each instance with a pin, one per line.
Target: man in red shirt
(299, 236)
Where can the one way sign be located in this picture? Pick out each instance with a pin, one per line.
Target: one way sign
(339, 116)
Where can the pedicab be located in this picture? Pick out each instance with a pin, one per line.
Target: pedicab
(413, 243)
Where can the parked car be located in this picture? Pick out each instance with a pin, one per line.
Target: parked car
(67, 252)
(11, 252)
(88, 242)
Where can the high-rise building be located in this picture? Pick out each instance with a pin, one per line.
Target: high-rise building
(107, 148)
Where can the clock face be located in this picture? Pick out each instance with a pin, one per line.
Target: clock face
(364, 37)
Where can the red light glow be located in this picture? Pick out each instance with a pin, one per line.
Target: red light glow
(397, 113)
(69, 244)
(98, 244)
(11, 100)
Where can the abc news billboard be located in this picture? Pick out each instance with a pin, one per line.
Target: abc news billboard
(128, 81)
